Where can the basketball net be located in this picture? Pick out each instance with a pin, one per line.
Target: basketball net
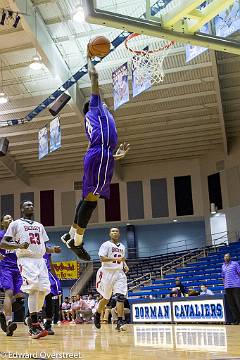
(148, 63)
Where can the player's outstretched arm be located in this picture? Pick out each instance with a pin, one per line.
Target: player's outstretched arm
(53, 250)
(122, 151)
(8, 244)
(93, 77)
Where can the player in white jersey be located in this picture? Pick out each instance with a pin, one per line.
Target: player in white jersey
(28, 238)
(111, 278)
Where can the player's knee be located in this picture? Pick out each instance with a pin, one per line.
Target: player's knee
(120, 297)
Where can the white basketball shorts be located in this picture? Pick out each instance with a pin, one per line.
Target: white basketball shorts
(111, 282)
(34, 273)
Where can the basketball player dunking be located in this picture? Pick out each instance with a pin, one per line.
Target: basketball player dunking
(28, 238)
(98, 163)
(111, 278)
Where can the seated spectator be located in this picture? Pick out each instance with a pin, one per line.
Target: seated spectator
(205, 291)
(66, 309)
(90, 301)
(85, 309)
(175, 292)
(181, 287)
(192, 292)
(75, 306)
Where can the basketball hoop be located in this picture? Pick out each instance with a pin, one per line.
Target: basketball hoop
(148, 63)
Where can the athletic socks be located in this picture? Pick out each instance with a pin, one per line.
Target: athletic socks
(78, 239)
(72, 232)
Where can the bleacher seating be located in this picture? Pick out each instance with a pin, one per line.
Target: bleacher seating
(206, 270)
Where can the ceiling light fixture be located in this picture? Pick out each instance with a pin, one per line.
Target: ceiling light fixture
(17, 19)
(3, 98)
(78, 15)
(36, 63)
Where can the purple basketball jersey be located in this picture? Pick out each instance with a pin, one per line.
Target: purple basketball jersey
(100, 124)
(47, 258)
(99, 162)
(10, 259)
(10, 275)
(54, 281)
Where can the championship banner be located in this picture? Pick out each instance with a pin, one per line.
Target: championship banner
(67, 270)
(120, 86)
(42, 142)
(199, 311)
(152, 312)
(55, 134)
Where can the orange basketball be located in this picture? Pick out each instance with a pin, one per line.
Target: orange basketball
(99, 46)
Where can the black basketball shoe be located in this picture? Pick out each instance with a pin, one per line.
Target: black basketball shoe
(97, 318)
(78, 250)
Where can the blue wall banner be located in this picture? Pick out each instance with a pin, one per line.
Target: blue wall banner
(199, 311)
(152, 312)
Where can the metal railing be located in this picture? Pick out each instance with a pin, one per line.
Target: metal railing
(82, 281)
(140, 281)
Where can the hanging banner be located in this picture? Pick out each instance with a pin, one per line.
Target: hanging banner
(228, 21)
(42, 142)
(120, 86)
(66, 270)
(142, 84)
(55, 134)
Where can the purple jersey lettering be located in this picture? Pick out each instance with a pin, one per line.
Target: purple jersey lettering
(100, 125)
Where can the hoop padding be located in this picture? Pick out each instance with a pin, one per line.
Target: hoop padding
(148, 64)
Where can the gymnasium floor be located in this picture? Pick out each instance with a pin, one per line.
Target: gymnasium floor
(139, 342)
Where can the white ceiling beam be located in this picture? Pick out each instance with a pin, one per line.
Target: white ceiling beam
(47, 49)
(15, 168)
(16, 49)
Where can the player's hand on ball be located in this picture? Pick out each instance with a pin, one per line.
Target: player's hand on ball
(122, 151)
(24, 245)
(126, 269)
(57, 249)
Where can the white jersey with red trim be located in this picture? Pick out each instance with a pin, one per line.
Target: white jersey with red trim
(112, 251)
(32, 232)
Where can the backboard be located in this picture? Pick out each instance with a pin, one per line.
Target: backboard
(212, 24)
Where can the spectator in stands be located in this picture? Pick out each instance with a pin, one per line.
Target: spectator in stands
(231, 279)
(175, 292)
(192, 292)
(181, 287)
(205, 291)
(90, 301)
(66, 309)
(75, 306)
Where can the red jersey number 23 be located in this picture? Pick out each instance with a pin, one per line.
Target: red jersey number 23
(34, 238)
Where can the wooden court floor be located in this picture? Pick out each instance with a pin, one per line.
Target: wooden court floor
(138, 342)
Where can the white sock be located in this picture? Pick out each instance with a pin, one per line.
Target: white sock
(72, 232)
(78, 239)
(8, 318)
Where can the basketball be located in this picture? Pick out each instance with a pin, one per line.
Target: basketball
(99, 46)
